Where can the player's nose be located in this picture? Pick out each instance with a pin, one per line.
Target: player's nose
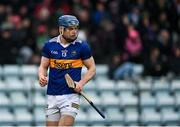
(74, 32)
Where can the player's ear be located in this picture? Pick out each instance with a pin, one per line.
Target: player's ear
(61, 30)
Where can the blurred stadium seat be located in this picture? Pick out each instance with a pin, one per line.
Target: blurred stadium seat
(39, 99)
(81, 119)
(91, 85)
(175, 85)
(109, 99)
(164, 99)
(1, 71)
(114, 115)
(14, 84)
(161, 85)
(143, 33)
(105, 84)
(150, 116)
(169, 117)
(93, 117)
(128, 99)
(4, 101)
(11, 71)
(39, 115)
(177, 99)
(22, 116)
(18, 99)
(145, 84)
(131, 116)
(3, 86)
(102, 70)
(94, 97)
(6, 117)
(30, 71)
(124, 85)
(147, 101)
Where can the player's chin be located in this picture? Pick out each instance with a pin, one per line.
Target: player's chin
(70, 40)
(73, 38)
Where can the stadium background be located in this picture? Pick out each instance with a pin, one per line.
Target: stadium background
(141, 36)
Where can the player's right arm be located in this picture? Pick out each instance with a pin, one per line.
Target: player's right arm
(42, 72)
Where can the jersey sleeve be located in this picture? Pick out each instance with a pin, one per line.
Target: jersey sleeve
(85, 51)
(45, 51)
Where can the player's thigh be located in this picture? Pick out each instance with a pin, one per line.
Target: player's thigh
(52, 119)
(52, 123)
(69, 110)
(52, 112)
(66, 120)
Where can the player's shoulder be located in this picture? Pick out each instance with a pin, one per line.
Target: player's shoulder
(53, 40)
(81, 42)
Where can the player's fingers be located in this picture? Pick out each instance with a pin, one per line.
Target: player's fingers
(43, 78)
(77, 89)
(46, 80)
(42, 82)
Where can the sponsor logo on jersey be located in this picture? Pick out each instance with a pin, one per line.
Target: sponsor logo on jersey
(62, 65)
(65, 64)
(74, 53)
(54, 52)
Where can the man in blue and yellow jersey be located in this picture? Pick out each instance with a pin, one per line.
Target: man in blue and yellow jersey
(64, 54)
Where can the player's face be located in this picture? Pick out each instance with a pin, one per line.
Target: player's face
(70, 33)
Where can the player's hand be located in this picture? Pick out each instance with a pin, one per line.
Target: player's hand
(78, 87)
(43, 80)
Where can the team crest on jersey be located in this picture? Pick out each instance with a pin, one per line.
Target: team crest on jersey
(64, 53)
(73, 53)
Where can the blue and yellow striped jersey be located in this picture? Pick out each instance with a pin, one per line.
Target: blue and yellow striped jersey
(64, 60)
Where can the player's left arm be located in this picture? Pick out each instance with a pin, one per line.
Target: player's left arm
(91, 71)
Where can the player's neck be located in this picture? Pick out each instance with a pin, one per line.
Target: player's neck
(63, 41)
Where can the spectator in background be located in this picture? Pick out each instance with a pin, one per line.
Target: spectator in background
(2, 12)
(120, 68)
(104, 22)
(27, 51)
(25, 54)
(85, 20)
(41, 36)
(100, 13)
(148, 32)
(174, 60)
(8, 47)
(134, 16)
(84, 17)
(115, 61)
(53, 32)
(173, 14)
(165, 43)
(163, 21)
(154, 64)
(43, 11)
(103, 44)
(133, 45)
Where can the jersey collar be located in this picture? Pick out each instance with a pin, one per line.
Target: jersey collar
(64, 45)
